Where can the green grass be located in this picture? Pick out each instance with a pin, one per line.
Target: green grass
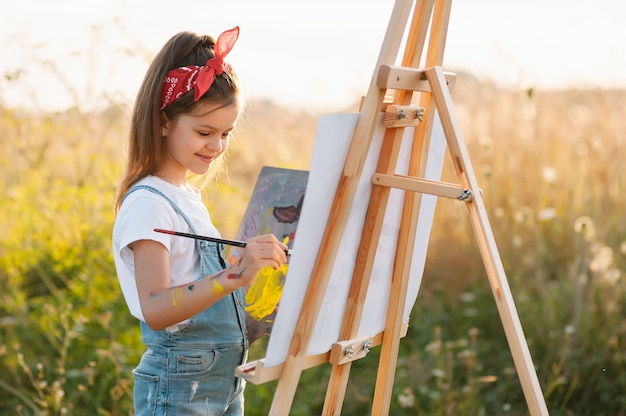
(551, 168)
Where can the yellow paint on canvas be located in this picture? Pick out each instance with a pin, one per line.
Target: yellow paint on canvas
(265, 292)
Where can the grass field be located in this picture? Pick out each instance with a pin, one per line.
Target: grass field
(550, 164)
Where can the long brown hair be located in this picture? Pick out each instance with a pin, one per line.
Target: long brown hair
(146, 145)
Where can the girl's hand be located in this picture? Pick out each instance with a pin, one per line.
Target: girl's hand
(260, 252)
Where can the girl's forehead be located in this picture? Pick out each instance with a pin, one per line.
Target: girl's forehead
(220, 117)
(205, 108)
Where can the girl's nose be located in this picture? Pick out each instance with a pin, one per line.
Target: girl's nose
(215, 144)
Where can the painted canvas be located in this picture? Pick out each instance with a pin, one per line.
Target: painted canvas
(274, 208)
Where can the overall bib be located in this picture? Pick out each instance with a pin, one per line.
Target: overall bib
(191, 371)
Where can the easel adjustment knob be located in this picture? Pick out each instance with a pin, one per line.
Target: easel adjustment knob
(466, 196)
(403, 116)
(343, 352)
(349, 352)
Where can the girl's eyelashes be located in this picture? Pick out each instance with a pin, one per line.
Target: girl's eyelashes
(206, 134)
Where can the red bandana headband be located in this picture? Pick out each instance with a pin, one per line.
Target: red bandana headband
(184, 79)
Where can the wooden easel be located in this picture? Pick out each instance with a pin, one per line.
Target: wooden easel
(434, 87)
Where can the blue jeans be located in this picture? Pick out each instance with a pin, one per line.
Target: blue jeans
(192, 371)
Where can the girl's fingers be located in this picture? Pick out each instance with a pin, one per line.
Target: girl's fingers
(266, 250)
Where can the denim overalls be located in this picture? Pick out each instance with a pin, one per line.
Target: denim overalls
(191, 371)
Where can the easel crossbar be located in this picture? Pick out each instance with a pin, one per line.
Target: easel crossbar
(421, 185)
(255, 372)
(409, 79)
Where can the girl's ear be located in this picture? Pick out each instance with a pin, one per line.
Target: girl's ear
(164, 124)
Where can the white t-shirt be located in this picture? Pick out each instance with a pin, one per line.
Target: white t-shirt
(141, 212)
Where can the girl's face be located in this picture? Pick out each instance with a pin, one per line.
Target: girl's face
(195, 140)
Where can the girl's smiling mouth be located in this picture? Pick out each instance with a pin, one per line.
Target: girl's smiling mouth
(205, 159)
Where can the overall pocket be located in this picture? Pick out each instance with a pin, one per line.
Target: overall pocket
(147, 384)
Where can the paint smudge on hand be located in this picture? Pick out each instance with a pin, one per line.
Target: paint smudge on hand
(265, 292)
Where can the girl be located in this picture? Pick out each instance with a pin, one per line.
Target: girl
(188, 300)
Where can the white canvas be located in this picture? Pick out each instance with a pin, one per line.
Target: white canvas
(331, 145)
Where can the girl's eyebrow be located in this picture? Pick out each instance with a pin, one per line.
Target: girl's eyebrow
(206, 126)
(211, 127)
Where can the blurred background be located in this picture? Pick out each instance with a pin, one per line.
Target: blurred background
(540, 97)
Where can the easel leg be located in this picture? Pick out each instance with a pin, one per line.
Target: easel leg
(336, 391)
(395, 311)
(402, 266)
(364, 131)
(489, 252)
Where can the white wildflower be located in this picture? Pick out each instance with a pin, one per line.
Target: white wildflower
(546, 214)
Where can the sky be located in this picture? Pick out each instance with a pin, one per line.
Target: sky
(312, 55)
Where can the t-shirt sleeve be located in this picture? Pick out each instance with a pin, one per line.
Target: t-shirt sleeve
(143, 214)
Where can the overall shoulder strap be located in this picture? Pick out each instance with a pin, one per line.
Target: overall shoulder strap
(156, 191)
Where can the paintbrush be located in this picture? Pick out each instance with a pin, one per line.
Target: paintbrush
(235, 243)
